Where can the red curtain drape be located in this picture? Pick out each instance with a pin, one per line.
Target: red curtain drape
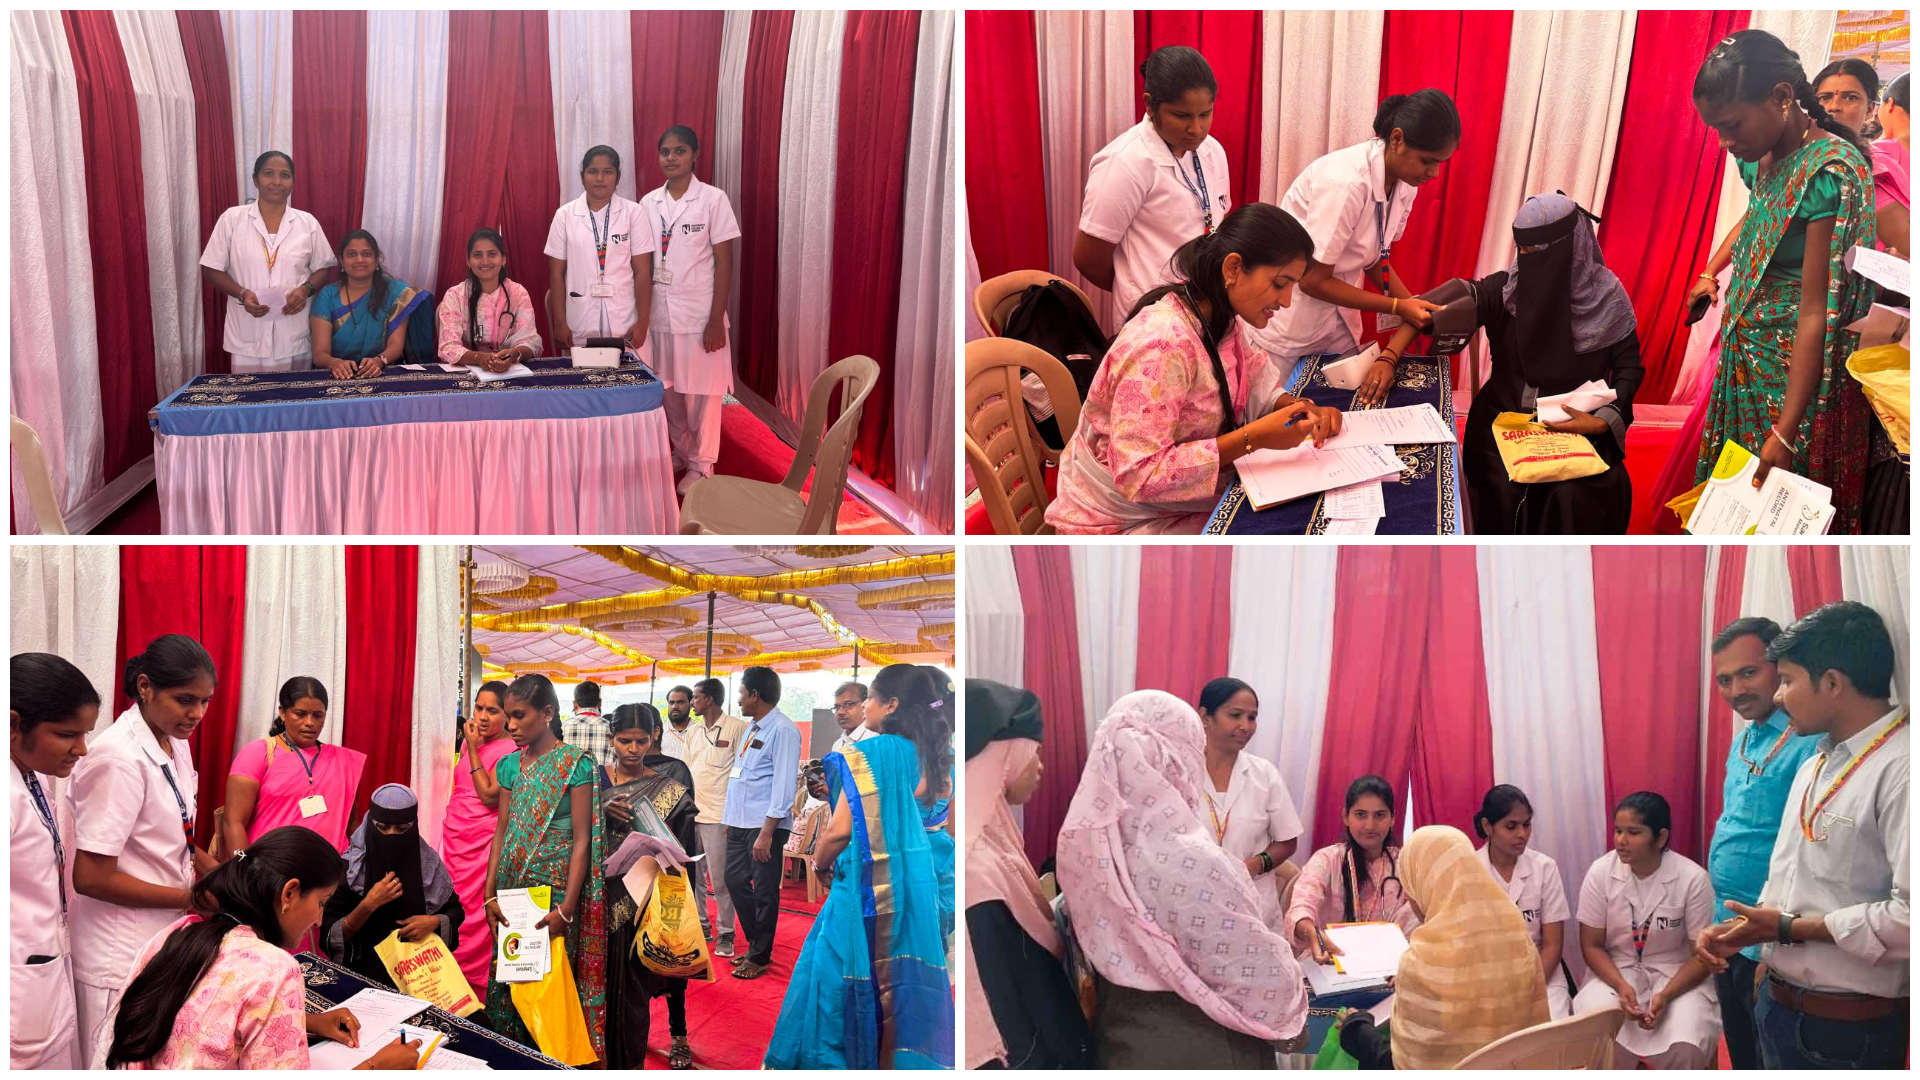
(1230, 40)
(1370, 723)
(869, 212)
(200, 592)
(500, 97)
(382, 610)
(206, 51)
(1052, 666)
(756, 338)
(1453, 737)
(1186, 618)
(677, 84)
(1648, 638)
(330, 118)
(1815, 574)
(1726, 608)
(1006, 174)
(1657, 236)
(116, 229)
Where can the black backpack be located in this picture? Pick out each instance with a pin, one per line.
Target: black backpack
(1054, 319)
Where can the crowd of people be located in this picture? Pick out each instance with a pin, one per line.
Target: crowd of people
(1792, 942)
(1222, 300)
(655, 274)
(136, 947)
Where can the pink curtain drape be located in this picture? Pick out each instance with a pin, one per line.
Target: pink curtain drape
(1453, 736)
(1726, 608)
(1052, 666)
(1186, 618)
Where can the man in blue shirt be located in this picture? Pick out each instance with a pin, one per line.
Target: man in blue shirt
(1760, 766)
(760, 792)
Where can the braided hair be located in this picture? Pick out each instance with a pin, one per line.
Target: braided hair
(473, 283)
(1746, 66)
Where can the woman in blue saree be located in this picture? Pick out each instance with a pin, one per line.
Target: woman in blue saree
(360, 321)
(870, 990)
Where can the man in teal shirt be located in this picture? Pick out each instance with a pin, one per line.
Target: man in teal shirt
(1760, 766)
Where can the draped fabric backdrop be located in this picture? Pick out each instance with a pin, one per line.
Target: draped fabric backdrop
(1313, 60)
(1233, 46)
(422, 126)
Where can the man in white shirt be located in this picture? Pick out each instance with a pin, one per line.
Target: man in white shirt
(850, 712)
(710, 748)
(1833, 917)
(673, 738)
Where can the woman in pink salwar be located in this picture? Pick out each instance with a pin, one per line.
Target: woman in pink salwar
(1182, 394)
(290, 777)
(472, 814)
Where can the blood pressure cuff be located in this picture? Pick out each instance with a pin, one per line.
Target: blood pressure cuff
(1457, 317)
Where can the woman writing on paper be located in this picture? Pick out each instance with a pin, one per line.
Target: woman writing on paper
(290, 777)
(395, 884)
(1555, 320)
(1531, 881)
(550, 835)
(473, 811)
(486, 321)
(1181, 394)
(360, 321)
(267, 249)
(600, 254)
(53, 709)
(1248, 805)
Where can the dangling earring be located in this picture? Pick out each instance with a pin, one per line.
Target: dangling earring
(1786, 112)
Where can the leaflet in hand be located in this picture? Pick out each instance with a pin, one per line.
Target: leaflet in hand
(1368, 948)
(1785, 505)
(382, 1015)
(1586, 397)
(1406, 425)
(521, 952)
(273, 299)
(1272, 477)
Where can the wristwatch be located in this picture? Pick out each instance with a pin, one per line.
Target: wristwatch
(1786, 927)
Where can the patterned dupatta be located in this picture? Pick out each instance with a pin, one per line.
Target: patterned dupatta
(1774, 198)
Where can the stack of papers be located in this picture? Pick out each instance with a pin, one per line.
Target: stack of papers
(1325, 980)
(1272, 477)
(454, 1061)
(1586, 397)
(520, 952)
(514, 372)
(382, 1015)
(1786, 504)
(1405, 426)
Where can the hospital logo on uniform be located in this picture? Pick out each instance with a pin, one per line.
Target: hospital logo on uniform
(1666, 923)
(693, 227)
(619, 238)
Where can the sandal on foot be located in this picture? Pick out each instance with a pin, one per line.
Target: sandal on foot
(680, 1056)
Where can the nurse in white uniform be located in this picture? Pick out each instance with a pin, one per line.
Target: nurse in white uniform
(1640, 910)
(1248, 806)
(1355, 203)
(695, 230)
(1160, 184)
(53, 709)
(1532, 882)
(270, 260)
(134, 810)
(600, 261)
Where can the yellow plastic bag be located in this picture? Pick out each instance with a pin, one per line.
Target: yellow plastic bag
(425, 969)
(670, 941)
(1534, 455)
(1682, 504)
(1885, 372)
(551, 1010)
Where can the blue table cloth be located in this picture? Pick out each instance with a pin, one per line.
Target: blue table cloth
(313, 400)
(329, 984)
(1426, 501)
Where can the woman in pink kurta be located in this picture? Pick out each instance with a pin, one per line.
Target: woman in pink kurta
(290, 777)
(1355, 880)
(1181, 393)
(472, 812)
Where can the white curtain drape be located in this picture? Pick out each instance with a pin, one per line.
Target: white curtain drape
(1537, 634)
(1566, 85)
(809, 145)
(406, 141)
(590, 60)
(54, 358)
(1809, 33)
(974, 330)
(996, 639)
(296, 624)
(1285, 652)
(260, 75)
(1314, 62)
(1767, 589)
(923, 350)
(1106, 615)
(163, 93)
(736, 34)
(1086, 94)
(436, 674)
(1880, 577)
(66, 601)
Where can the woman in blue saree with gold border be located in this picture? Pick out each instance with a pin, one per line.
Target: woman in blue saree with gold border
(360, 321)
(871, 990)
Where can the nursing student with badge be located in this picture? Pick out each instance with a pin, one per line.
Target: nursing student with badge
(268, 259)
(1355, 202)
(1247, 803)
(600, 258)
(692, 275)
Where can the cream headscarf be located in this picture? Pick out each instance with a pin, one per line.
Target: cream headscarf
(1471, 974)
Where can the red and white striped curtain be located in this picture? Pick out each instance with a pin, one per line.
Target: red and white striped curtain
(378, 625)
(422, 126)
(1578, 674)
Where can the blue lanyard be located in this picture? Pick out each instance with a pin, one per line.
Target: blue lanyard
(1386, 245)
(1200, 193)
(186, 822)
(600, 242)
(46, 818)
(303, 759)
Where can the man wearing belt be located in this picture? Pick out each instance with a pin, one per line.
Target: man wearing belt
(758, 815)
(1833, 917)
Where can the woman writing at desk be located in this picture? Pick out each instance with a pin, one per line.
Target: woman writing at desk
(360, 321)
(267, 248)
(486, 321)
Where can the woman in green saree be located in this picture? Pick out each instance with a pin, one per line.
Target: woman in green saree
(551, 835)
(360, 321)
(1782, 388)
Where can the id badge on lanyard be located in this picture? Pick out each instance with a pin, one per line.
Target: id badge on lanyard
(1384, 321)
(746, 744)
(601, 288)
(662, 273)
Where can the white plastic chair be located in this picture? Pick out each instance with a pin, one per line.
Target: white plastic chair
(31, 457)
(1578, 1042)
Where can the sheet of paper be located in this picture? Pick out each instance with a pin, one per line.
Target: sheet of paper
(1586, 397)
(1383, 1010)
(381, 1014)
(1731, 505)
(520, 952)
(273, 299)
(1272, 477)
(514, 372)
(1357, 527)
(1355, 502)
(1793, 506)
(1325, 980)
(1882, 269)
(1883, 325)
(1368, 948)
(445, 1060)
(1405, 425)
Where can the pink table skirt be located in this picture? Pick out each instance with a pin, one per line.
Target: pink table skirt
(609, 475)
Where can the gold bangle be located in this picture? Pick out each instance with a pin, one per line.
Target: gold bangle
(1395, 312)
